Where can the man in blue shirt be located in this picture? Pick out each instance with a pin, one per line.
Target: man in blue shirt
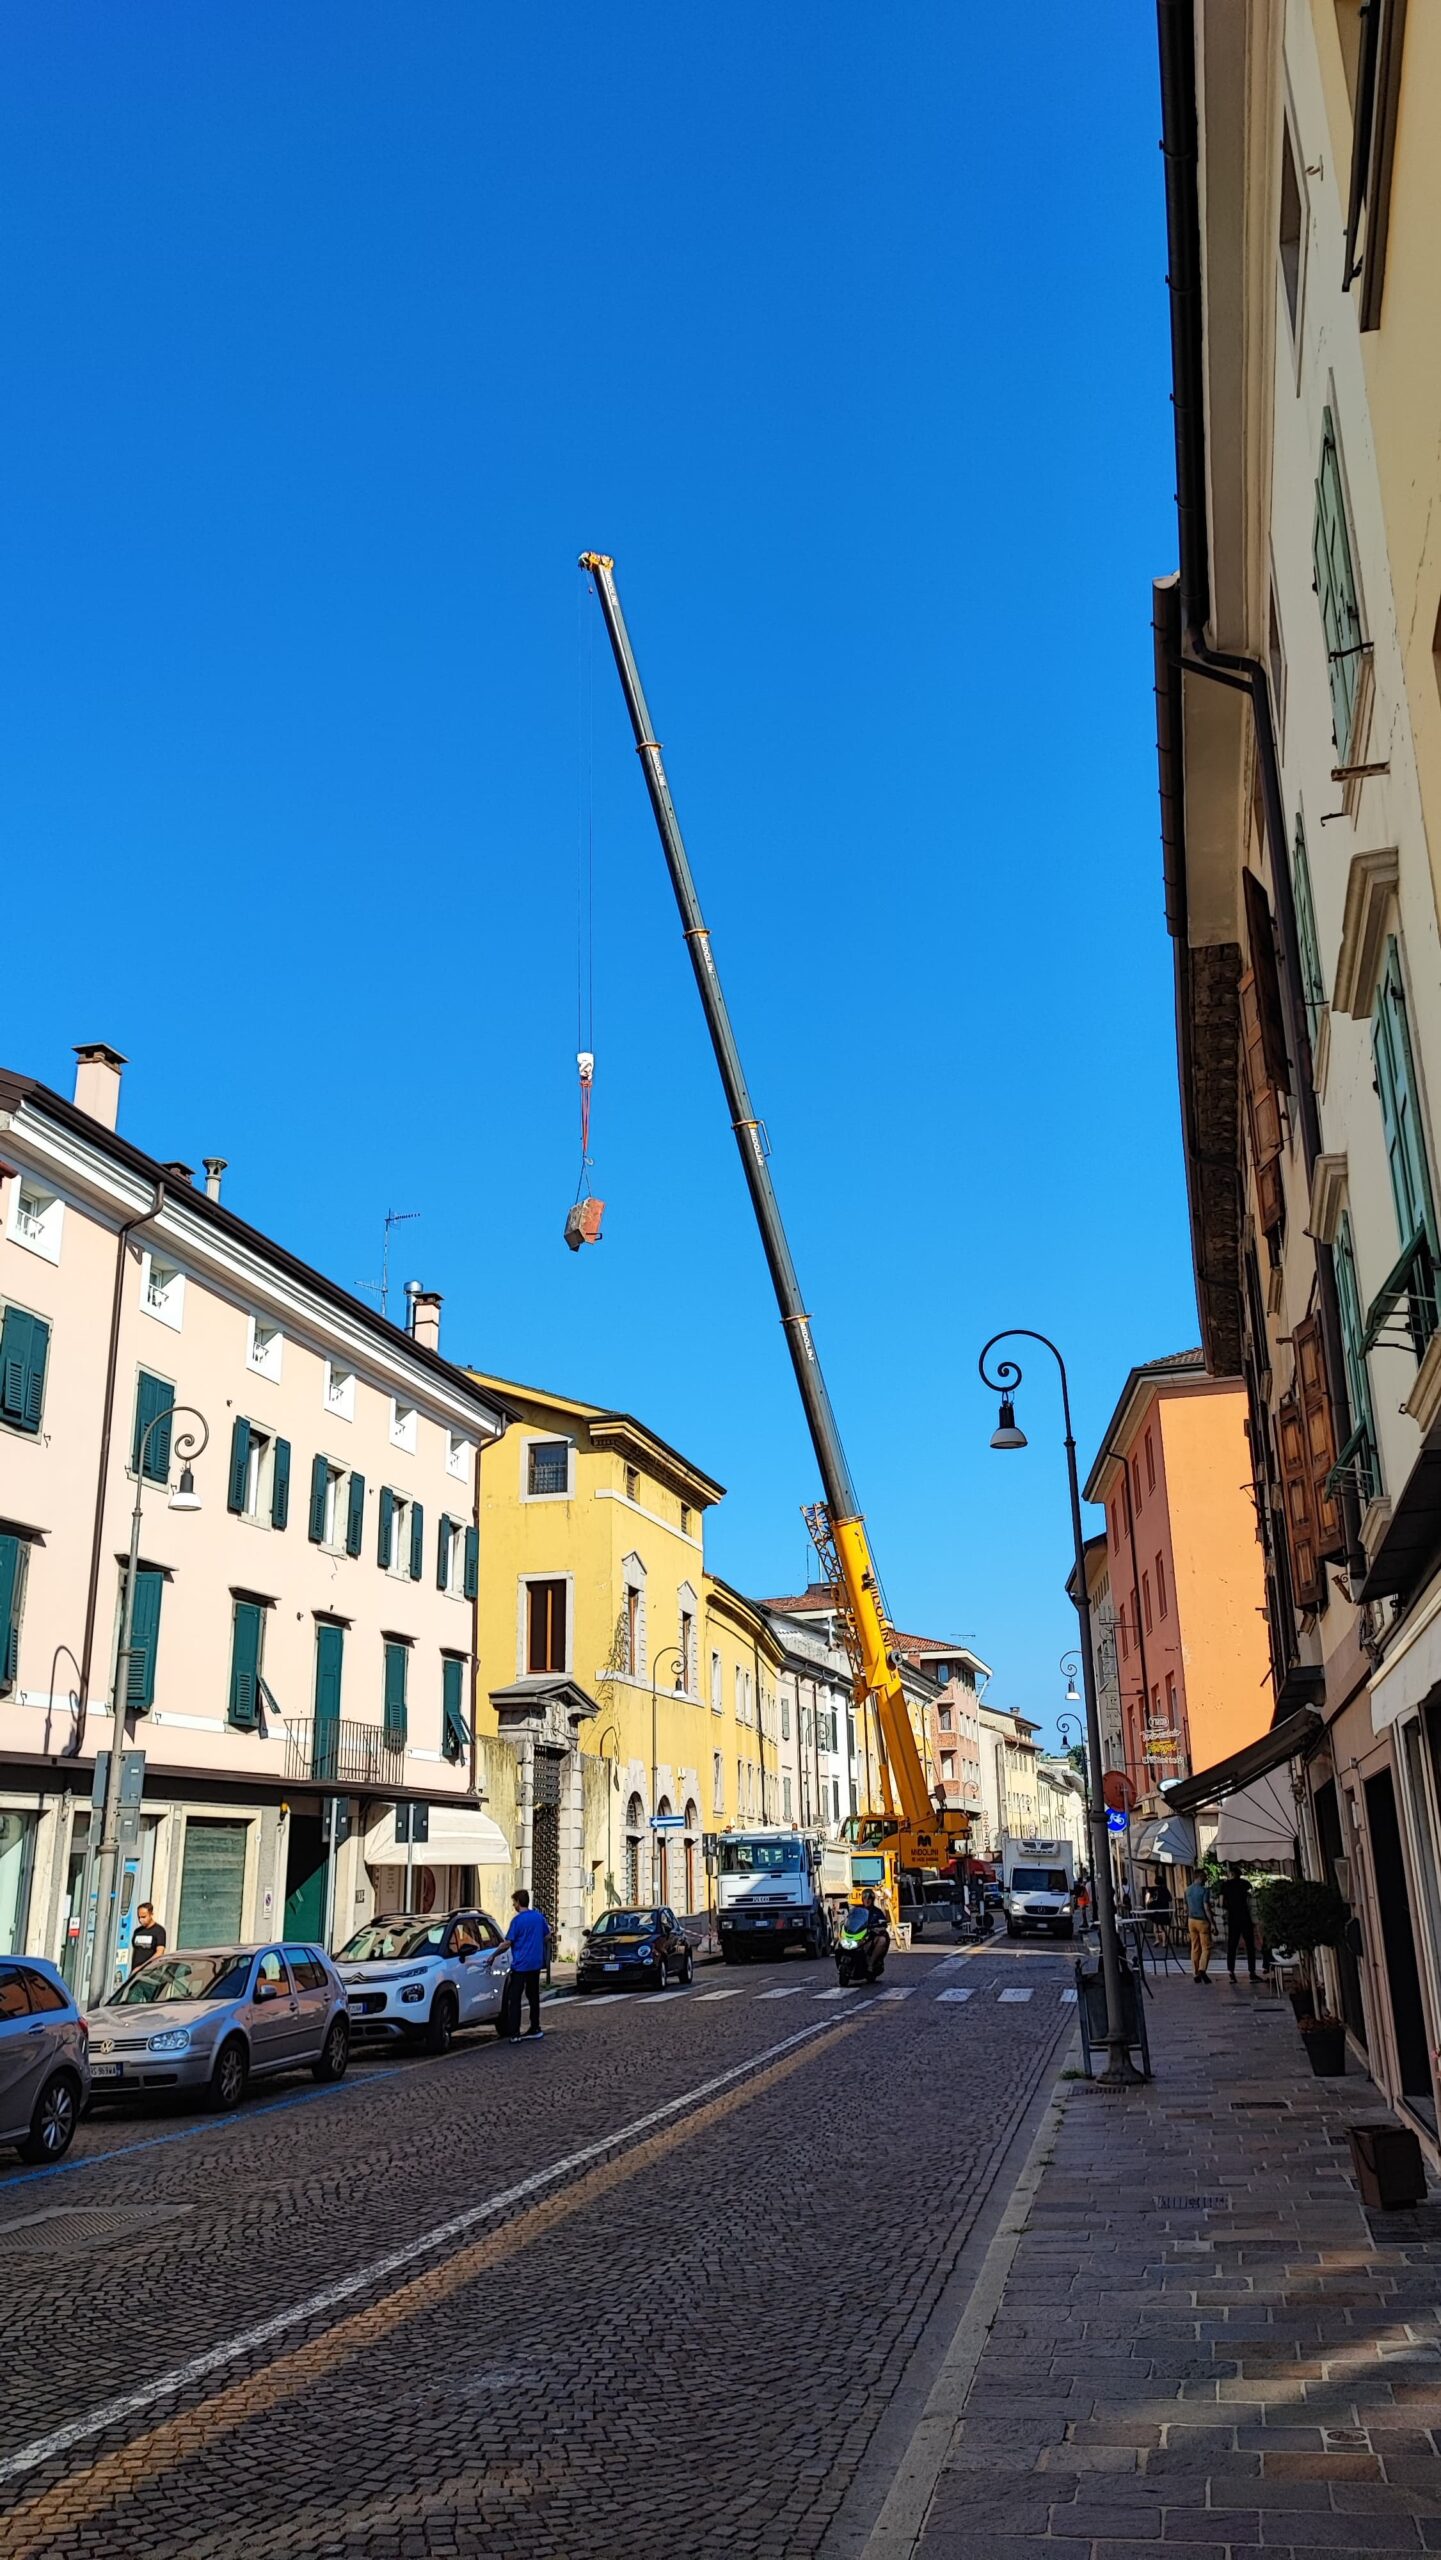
(528, 1939)
(1198, 1915)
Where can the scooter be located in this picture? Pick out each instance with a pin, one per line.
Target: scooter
(861, 1951)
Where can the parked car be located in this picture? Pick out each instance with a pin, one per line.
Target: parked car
(44, 2063)
(419, 1978)
(216, 2018)
(623, 1948)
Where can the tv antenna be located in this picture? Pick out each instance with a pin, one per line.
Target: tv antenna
(393, 1218)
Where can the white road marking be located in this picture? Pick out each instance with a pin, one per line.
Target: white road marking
(244, 2342)
(678, 1993)
(895, 1995)
(1013, 1995)
(842, 1991)
(955, 1995)
(1068, 1995)
(792, 1991)
(733, 1993)
(598, 1999)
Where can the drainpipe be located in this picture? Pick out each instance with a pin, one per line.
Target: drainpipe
(76, 1744)
(1176, 29)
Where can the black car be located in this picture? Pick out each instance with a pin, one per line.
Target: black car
(640, 1947)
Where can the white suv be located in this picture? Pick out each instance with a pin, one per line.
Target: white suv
(420, 1979)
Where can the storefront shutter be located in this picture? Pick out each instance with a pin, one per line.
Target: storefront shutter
(212, 1884)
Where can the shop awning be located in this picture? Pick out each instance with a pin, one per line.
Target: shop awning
(1256, 1826)
(1288, 1740)
(460, 1836)
(1167, 1842)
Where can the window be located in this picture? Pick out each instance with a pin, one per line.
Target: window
(403, 1424)
(716, 1700)
(785, 1719)
(717, 1783)
(264, 1343)
(545, 1625)
(1276, 663)
(455, 1724)
(1171, 1701)
(24, 1355)
(1162, 1602)
(400, 1535)
(144, 1636)
(259, 1485)
(1336, 592)
(1400, 1113)
(458, 1454)
(14, 1567)
(1361, 1449)
(337, 1506)
(1313, 985)
(1291, 225)
(1146, 1600)
(36, 1218)
(162, 1290)
(944, 1719)
(1125, 1638)
(394, 1715)
(339, 1391)
(1135, 1484)
(1150, 1461)
(247, 1646)
(150, 1436)
(685, 1519)
(547, 1468)
(787, 1814)
(1371, 33)
(632, 1631)
(948, 1764)
(632, 1484)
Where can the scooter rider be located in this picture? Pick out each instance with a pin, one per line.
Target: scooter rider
(878, 1929)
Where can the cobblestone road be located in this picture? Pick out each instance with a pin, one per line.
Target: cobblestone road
(681, 2221)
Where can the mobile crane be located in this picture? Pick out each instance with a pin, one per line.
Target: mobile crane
(907, 1830)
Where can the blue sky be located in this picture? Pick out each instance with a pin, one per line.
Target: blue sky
(332, 335)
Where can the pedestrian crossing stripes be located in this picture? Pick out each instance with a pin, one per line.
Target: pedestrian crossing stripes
(791, 1991)
(955, 1995)
(1015, 1995)
(1069, 1995)
(899, 1995)
(736, 1991)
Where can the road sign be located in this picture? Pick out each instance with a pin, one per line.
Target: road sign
(1117, 1822)
(335, 1821)
(667, 1822)
(412, 1822)
(1118, 1791)
(132, 1777)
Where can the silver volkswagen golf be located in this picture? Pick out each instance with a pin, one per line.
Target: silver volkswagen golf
(44, 2073)
(215, 2018)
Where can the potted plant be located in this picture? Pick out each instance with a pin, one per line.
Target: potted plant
(1299, 1917)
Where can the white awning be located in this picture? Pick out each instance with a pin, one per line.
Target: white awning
(1170, 1842)
(1410, 1672)
(1256, 1827)
(460, 1836)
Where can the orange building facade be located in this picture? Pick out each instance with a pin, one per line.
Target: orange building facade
(1187, 1583)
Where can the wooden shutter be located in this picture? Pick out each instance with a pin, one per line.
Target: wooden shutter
(397, 1657)
(355, 1515)
(144, 1640)
(154, 1397)
(239, 1464)
(442, 1551)
(1296, 1488)
(245, 1666)
(471, 1582)
(319, 1487)
(417, 1541)
(455, 1733)
(1261, 939)
(9, 1608)
(1318, 1425)
(385, 1529)
(280, 1485)
(24, 1350)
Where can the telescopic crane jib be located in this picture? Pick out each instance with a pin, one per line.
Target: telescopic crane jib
(908, 1824)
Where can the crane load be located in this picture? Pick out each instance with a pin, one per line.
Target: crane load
(582, 1221)
(906, 1826)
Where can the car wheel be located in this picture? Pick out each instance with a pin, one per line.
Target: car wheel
(229, 2076)
(441, 2024)
(687, 1968)
(52, 2126)
(334, 2054)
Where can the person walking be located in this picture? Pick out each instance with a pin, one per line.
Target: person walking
(1198, 1916)
(149, 1937)
(1235, 1898)
(528, 1939)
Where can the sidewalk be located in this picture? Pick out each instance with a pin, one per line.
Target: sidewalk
(1201, 2346)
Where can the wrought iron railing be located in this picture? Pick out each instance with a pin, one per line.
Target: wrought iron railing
(345, 1753)
(1404, 1309)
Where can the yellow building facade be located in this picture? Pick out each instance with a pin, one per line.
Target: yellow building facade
(629, 1681)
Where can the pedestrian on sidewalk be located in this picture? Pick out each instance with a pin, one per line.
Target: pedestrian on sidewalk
(149, 1937)
(1235, 1896)
(1198, 1916)
(528, 1939)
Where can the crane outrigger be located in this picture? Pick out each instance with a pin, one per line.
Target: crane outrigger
(907, 1827)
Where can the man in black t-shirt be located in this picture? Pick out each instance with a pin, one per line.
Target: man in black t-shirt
(149, 1937)
(1235, 1898)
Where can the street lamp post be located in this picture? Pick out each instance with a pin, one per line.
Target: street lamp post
(187, 1446)
(1119, 2073)
(1071, 1729)
(656, 1837)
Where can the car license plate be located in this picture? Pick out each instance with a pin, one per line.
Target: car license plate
(106, 2070)
(763, 1924)
(612, 1964)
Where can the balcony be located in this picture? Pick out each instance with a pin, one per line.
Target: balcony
(344, 1754)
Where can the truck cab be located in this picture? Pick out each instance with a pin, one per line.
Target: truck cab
(1038, 1887)
(768, 1895)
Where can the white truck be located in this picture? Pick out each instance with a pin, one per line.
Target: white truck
(1038, 1886)
(769, 1894)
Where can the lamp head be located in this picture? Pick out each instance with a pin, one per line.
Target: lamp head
(185, 1497)
(1073, 1695)
(1008, 1433)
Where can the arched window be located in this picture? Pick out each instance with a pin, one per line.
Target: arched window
(634, 1834)
(662, 1855)
(692, 1853)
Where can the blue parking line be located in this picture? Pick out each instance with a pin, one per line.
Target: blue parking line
(204, 2124)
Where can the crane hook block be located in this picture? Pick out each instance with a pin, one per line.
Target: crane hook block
(582, 1224)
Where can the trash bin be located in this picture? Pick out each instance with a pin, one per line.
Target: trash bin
(1390, 2171)
(1091, 1996)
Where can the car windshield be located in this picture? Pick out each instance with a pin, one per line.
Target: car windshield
(1038, 1880)
(760, 1857)
(626, 1924)
(210, 1977)
(386, 1940)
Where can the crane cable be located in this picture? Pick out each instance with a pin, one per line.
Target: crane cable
(585, 879)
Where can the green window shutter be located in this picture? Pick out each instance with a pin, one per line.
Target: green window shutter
(9, 1609)
(397, 1658)
(472, 1563)
(1313, 984)
(144, 1640)
(319, 1486)
(417, 1541)
(154, 1398)
(329, 1669)
(24, 1351)
(385, 1539)
(280, 1485)
(239, 1464)
(1400, 1108)
(455, 1732)
(1353, 1336)
(1336, 589)
(245, 1666)
(355, 1515)
(442, 1550)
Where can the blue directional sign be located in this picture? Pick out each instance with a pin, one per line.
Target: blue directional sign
(1118, 1822)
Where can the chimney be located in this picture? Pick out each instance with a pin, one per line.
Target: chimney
(425, 1318)
(97, 1082)
(214, 1168)
(179, 1172)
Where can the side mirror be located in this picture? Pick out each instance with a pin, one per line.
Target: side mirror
(265, 1990)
